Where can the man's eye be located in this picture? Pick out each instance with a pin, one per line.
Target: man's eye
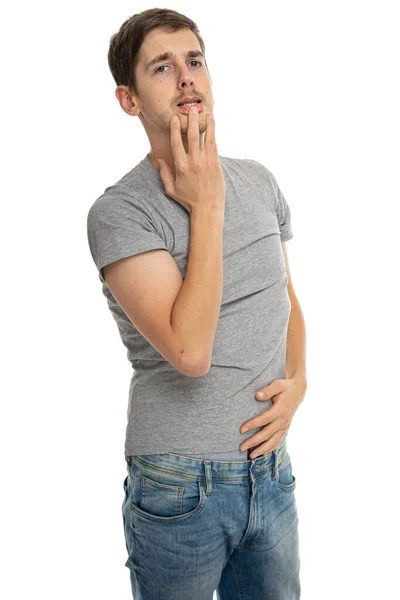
(161, 66)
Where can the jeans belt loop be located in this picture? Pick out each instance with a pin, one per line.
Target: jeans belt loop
(276, 471)
(207, 466)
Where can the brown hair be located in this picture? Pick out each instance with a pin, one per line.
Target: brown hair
(123, 53)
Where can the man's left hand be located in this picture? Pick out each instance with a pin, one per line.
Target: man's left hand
(286, 395)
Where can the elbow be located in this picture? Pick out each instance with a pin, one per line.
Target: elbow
(200, 371)
(192, 373)
(193, 368)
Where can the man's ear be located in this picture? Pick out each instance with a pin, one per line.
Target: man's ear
(127, 100)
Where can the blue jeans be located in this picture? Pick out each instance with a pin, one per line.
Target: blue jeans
(193, 527)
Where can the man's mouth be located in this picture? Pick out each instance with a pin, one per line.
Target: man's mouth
(189, 103)
(185, 107)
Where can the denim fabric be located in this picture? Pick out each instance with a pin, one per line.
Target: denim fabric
(194, 527)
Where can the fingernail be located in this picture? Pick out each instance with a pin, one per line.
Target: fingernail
(174, 119)
(245, 429)
(193, 109)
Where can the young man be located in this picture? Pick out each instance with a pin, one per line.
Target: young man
(193, 264)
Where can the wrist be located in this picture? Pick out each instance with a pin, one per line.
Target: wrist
(300, 383)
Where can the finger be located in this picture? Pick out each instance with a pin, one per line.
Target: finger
(269, 445)
(178, 150)
(209, 139)
(167, 178)
(193, 134)
(266, 417)
(252, 442)
(257, 438)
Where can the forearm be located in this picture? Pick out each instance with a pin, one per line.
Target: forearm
(197, 307)
(295, 366)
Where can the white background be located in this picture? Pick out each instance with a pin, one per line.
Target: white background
(327, 125)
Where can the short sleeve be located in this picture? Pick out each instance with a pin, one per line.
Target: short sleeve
(282, 211)
(279, 204)
(119, 226)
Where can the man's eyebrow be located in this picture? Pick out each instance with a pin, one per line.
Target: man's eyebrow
(167, 55)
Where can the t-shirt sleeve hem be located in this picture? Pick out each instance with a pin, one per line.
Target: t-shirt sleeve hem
(128, 251)
(285, 237)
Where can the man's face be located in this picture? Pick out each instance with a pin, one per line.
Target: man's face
(164, 84)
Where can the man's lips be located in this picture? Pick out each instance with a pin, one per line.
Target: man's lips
(185, 109)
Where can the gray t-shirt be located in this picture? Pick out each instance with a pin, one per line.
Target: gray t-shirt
(201, 416)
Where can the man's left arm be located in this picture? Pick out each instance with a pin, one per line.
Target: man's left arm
(295, 366)
(286, 394)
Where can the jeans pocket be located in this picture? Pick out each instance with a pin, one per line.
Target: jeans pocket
(286, 480)
(123, 510)
(162, 497)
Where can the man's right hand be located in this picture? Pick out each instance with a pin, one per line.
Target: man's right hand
(199, 181)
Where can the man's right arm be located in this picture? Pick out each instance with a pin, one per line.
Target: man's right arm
(195, 313)
(178, 317)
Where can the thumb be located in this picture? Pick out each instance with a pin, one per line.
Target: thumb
(165, 172)
(166, 176)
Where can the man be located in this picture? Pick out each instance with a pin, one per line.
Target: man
(191, 255)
